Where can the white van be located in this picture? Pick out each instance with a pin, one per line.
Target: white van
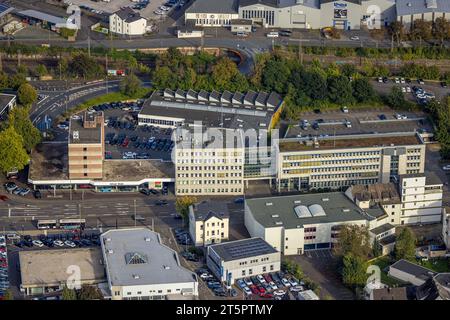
(272, 35)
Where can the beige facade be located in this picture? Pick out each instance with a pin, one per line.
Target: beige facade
(345, 161)
(208, 227)
(86, 147)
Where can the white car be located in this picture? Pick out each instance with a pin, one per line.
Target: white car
(285, 282)
(279, 293)
(408, 89)
(348, 124)
(403, 89)
(446, 168)
(354, 38)
(261, 278)
(205, 276)
(402, 80)
(398, 116)
(293, 282)
(163, 8)
(247, 291)
(380, 79)
(397, 80)
(404, 117)
(344, 109)
(158, 12)
(297, 289)
(70, 244)
(248, 282)
(273, 285)
(58, 243)
(272, 35)
(38, 243)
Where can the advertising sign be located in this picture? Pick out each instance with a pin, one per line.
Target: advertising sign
(340, 13)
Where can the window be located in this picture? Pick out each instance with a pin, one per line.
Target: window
(264, 269)
(84, 149)
(271, 267)
(243, 272)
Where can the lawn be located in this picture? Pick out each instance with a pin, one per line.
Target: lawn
(437, 265)
(383, 263)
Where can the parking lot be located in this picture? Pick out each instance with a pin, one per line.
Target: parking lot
(4, 279)
(382, 120)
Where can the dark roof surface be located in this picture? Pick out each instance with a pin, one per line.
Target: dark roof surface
(390, 294)
(205, 210)
(241, 249)
(209, 6)
(413, 269)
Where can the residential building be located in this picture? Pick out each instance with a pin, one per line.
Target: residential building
(209, 222)
(417, 198)
(86, 146)
(7, 103)
(126, 21)
(46, 271)
(341, 161)
(298, 223)
(233, 260)
(446, 226)
(429, 10)
(435, 288)
(140, 267)
(410, 272)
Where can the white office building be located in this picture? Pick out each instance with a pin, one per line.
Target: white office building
(139, 267)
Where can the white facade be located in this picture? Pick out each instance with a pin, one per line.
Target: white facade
(211, 19)
(421, 202)
(228, 270)
(127, 27)
(209, 230)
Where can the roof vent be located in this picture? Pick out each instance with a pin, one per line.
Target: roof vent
(76, 135)
(135, 276)
(147, 239)
(275, 216)
(269, 203)
(278, 223)
(166, 267)
(409, 4)
(325, 199)
(110, 251)
(345, 210)
(298, 201)
(108, 239)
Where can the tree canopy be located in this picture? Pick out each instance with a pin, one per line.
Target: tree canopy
(405, 245)
(12, 153)
(26, 94)
(19, 118)
(130, 85)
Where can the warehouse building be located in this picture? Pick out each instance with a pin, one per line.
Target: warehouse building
(139, 267)
(242, 258)
(298, 223)
(428, 10)
(207, 13)
(209, 222)
(46, 271)
(340, 161)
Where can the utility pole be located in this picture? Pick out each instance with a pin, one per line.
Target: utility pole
(106, 73)
(79, 212)
(89, 42)
(134, 212)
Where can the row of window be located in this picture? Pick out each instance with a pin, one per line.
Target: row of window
(250, 270)
(212, 161)
(207, 182)
(213, 190)
(160, 121)
(333, 155)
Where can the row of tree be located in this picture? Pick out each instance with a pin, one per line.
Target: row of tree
(422, 30)
(355, 250)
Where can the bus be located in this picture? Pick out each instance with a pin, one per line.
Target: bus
(46, 224)
(70, 224)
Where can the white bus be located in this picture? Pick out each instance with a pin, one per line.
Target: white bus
(72, 223)
(47, 224)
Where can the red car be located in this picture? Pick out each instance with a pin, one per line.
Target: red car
(261, 290)
(267, 278)
(4, 198)
(125, 142)
(266, 295)
(254, 289)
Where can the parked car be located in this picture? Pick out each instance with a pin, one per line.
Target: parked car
(70, 244)
(285, 282)
(38, 243)
(260, 278)
(58, 243)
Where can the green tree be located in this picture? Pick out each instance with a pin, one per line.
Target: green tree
(68, 294)
(340, 90)
(421, 30)
(163, 78)
(441, 30)
(12, 152)
(397, 31)
(182, 205)
(20, 120)
(88, 292)
(396, 98)
(41, 70)
(223, 72)
(17, 80)
(376, 248)
(353, 239)
(27, 94)
(130, 85)
(354, 270)
(8, 295)
(363, 90)
(84, 66)
(276, 75)
(405, 245)
(4, 80)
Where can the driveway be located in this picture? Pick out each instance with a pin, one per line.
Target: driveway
(321, 267)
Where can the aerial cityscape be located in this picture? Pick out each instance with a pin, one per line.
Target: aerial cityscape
(249, 151)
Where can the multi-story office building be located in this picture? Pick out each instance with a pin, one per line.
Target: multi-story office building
(208, 223)
(139, 267)
(242, 258)
(127, 22)
(341, 161)
(210, 166)
(86, 146)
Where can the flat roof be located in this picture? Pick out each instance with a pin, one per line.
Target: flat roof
(207, 209)
(409, 7)
(431, 178)
(384, 193)
(241, 249)
(413, 269)
(43, 16)
(5, 99)
(5, 9)
(49, 161)
(49, 267)
(137, 257)
(383, 228)
(346, 142)
(78, 134)
(295, 211)
(208, 6)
